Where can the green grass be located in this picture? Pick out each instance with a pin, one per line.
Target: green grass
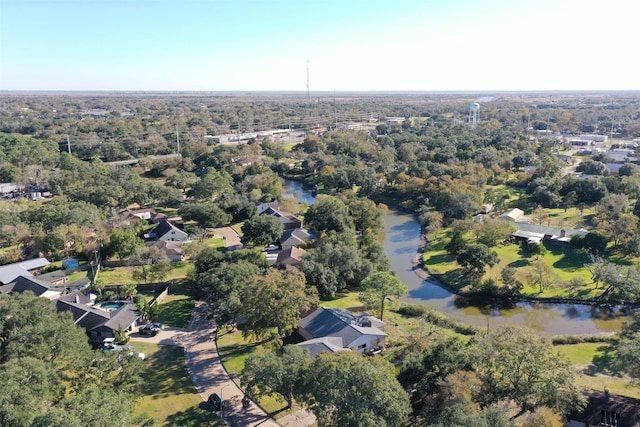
(343, 300)
(234, 351)
(214, 243)
(176, 308)
(122, 275)
(594, 366)
(168, 395)
(567, 264)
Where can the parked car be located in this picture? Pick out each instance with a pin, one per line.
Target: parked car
(272, 248)
(215, 401)
(109, 344)
(150, 329)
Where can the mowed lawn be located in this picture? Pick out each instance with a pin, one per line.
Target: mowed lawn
(234, 351)
(593, 363)
(123, 275)
(168, 395)
(570, 278)
(175, 310)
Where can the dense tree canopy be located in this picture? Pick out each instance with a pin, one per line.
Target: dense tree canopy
(48, 368)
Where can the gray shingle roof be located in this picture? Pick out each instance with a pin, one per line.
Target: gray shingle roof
(335, 322)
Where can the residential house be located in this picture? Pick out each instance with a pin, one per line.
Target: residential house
(99, 324)
(288, 220)
(296, 237)
(290, 257)
(534, 233)
(264, 206)
(605, 409)
(50, 286)
(29, 283)
(10, 272)
(318, 345)
(147, 214)
(166, 230)
(172, 249)
(358, 333)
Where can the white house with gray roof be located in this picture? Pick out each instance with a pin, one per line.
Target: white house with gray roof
(358, 333)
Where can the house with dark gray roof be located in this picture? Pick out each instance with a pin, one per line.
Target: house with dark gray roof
(606, 409)
(289, 221)
(358, 333)
(296, 237)
(166, 230)
(325, 344)
(99, 324)
(29, 283)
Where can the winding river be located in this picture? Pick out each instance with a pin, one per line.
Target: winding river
(401, 243)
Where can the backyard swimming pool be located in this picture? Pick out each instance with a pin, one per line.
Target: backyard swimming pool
(111, 305)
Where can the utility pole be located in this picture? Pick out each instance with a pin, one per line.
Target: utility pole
(68, 145)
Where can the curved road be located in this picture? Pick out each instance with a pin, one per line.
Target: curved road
(209, 376)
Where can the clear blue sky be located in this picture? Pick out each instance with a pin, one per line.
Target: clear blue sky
(216, 45)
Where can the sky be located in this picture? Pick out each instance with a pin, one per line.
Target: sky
(346, 45)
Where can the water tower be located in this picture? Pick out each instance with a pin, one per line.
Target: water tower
(474, 109)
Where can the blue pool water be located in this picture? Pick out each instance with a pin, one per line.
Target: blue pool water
(111, 305)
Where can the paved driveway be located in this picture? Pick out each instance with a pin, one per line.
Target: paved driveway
(209, 375)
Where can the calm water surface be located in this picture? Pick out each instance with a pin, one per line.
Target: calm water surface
(401, 243)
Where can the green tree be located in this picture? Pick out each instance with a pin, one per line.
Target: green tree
(222, 287)
(48, 368)
(262, 230)
(182, 180)
(335, 264)
(456, 244)
(150, 263)
(206, 214)
(328, 213)
(516, 364)
(375, 289)
(540, 274)
(346, 390)
(475, 257)
(123, 242)
(273, 304)
(212, 184)
(268, 373)
(493, 231)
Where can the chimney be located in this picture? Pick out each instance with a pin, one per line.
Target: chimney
(562, 233)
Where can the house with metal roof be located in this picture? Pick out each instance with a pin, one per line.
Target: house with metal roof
(10, 272)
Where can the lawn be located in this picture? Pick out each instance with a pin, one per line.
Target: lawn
(168, 395)
(122, 275)
(343, 300)
(176, 308)
(568, 266)
(593, 362)
(234, 351)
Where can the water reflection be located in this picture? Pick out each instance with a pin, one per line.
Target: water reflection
(401, 243)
